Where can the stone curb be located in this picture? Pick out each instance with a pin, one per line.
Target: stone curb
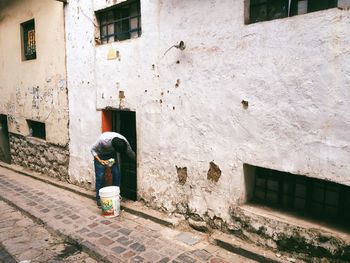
(250, 251)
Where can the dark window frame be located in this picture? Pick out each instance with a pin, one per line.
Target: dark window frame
(259, 5)
(304, 195)
(37, 129)
(118, 20)
(28, 40)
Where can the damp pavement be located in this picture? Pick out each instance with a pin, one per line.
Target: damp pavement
(66, 220)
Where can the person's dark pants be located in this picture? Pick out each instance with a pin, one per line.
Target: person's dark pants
(100, 171)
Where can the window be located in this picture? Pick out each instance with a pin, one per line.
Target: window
(28, 40)
(309, 196)
(37, 129)
(120, 22)
(264, 10)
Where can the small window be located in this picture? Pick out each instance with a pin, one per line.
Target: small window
(301, 194)
(122, 21)
(28, 40)
(37, 129)
(265, 10)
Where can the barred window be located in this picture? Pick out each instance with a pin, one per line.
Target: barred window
(264, 10)
(28, 40)
(120, 22)
(302, 195)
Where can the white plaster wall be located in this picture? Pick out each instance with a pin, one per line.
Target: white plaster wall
(85, 121)
(47, 71)
(294, 72)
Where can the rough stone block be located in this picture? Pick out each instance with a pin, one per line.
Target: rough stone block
(188, 238)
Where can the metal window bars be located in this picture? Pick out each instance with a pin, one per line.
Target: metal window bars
(29, 45)
(306, 195)
(120, 22)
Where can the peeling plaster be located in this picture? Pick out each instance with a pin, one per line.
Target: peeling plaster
(182, 174)
(42, 95)
(214, 172)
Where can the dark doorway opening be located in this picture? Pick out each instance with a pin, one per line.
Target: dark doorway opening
(124, 122)
(5, 154)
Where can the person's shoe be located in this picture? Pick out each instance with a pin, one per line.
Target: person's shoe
(98, 203)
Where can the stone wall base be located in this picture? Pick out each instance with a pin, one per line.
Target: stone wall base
(40, 156)
(304, 239)
(301, 238)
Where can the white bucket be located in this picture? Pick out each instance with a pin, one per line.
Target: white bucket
(110, 202)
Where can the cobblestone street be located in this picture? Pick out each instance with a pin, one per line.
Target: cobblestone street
(25, 240)
(127, 238)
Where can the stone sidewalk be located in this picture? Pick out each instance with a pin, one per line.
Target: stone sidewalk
(127, 238)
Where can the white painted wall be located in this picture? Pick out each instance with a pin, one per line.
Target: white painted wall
(47, 72)
(294, 72)
(84, 123)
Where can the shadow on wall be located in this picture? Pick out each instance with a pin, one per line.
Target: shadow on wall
(4, 4)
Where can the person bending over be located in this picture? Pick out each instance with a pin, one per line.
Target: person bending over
(106, 147)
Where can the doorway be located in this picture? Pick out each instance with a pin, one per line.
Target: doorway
(124, 122)
(5, 154)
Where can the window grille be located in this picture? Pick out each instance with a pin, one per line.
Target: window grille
(29, 46)
(315, 197)
(120, 22)
(265, 10)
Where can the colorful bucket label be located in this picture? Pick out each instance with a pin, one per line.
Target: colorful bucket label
(110, 207)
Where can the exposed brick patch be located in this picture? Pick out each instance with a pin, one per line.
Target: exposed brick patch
(182, 174)
(214, 172)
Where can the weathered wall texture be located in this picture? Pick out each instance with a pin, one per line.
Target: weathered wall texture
(34, 89)
(294, 73)
(40, 156)
(85, 121)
